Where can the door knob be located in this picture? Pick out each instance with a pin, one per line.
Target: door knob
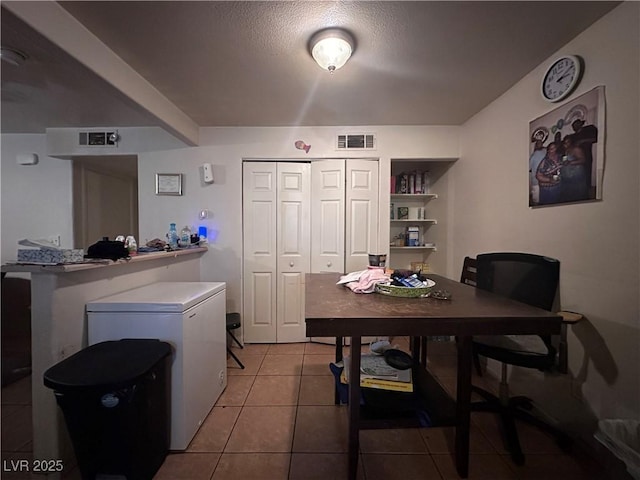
(328, 264)
(291, 264)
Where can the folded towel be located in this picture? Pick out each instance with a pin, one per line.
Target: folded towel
(350, 277)
(367, 281)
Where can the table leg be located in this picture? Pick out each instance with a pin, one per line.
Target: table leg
(423, 351)
(415, 348)
(339, 342)
(354, 407)
(463, 405)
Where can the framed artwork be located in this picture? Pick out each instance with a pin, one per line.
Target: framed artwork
(168, 184)
(566, 152)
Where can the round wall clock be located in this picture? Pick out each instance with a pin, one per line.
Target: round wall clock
(561, 78)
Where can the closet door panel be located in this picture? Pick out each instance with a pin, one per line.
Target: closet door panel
(262, 286)
(327, 216)
(291, 326)
(294, 248)
(362, 213)
(260, 254)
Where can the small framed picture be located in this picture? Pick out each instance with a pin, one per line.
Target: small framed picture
(168, 184)
(403, 213)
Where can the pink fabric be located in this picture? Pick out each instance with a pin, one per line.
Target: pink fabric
(368, 280)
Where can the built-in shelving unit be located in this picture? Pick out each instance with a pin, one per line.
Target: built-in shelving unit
(423, 211)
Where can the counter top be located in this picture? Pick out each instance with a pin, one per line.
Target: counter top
(59, 298)
(74, 267)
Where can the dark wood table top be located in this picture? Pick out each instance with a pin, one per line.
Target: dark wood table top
(334, 310)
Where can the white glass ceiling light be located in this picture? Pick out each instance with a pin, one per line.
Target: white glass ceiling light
(12, 56)
(331, 48)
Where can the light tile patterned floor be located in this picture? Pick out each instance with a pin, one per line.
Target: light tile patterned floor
(277, 420)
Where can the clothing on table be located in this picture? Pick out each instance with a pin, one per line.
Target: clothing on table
(364, 281)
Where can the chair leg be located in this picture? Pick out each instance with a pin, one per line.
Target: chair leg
(235, 358)
(516, 408)
(234, 339)
(563, 440)
(488, 396)
(502, 405)
(511, 436)
(507, 422)
(476, 363)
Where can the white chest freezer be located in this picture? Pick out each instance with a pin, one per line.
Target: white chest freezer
(191, 317)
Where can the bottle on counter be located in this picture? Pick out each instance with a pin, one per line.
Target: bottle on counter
(172, 236)
(185, 236)
(202, 234)
(131, 245)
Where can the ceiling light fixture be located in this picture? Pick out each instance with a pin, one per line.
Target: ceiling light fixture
(12, 56)
(331, 48)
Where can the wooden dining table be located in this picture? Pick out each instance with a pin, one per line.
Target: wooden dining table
(333, 310)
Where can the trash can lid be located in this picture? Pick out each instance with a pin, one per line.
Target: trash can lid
(112, 364)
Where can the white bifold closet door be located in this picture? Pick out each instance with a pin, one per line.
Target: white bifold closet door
(298, 218)
(344, 218)
(344, 214)
(276, 212)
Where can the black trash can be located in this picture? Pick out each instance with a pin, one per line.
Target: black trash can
(115, 397)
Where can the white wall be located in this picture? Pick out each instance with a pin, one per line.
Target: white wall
(225, 148)
(36, 199)
(63, 142)
(597, 243)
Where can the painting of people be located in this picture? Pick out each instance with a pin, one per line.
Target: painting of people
(566, 152)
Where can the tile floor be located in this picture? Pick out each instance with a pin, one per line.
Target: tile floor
(276, 420)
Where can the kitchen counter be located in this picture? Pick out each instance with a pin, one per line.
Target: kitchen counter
(59, 294)
(97, 263)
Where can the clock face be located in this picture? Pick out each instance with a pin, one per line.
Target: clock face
(561, 78)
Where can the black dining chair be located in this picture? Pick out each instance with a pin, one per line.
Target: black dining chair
(531, 279)
(469, 271)
(233, 323)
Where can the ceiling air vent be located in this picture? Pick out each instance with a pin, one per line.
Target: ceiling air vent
(98, 139)
(358, 141)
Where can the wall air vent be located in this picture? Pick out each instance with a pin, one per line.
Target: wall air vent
(98, 139)
(357, 141)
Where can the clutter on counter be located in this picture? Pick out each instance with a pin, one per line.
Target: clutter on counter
(47, 253)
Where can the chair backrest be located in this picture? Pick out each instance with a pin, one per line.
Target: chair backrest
(469, 272)
(528, 278)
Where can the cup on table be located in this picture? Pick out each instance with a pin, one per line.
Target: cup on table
(377, 260)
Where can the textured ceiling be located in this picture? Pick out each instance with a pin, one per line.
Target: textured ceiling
(247, 63)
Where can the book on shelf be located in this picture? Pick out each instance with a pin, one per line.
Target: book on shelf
(386, 385)
(416, 182)
(418, 188)
(404, 183)
(376, 373)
